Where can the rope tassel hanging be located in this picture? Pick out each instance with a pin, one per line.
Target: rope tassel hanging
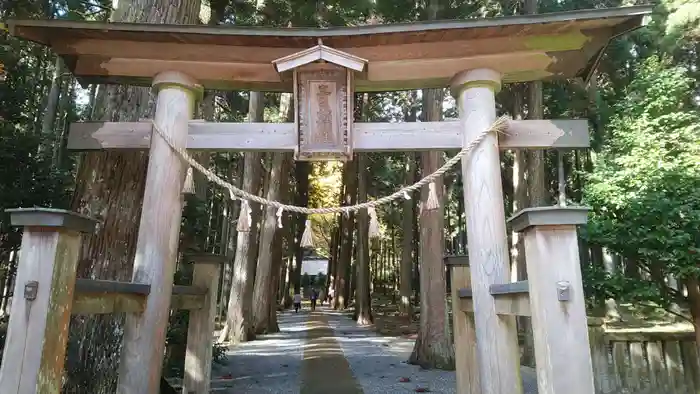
(373, 230)
(244, 219)
(188, 187)
(307, 239)
(279, 217)
(432, 202)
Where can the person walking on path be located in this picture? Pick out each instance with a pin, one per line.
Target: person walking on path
(314, 297)
(297, 302)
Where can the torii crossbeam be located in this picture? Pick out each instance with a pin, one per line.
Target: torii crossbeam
(367, 137)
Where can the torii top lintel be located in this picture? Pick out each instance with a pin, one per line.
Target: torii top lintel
(398, 56)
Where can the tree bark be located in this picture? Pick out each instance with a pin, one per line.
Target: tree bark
(363, 302)
(302, 170)
(286, 296)
(41, 74)
(342, 288)
(520, 201)
(608, 261)
(694, 305)
(407, 242)
(434, 345)
(336, 253)
(537, 183)
(228, 212)
(278, 251)
(350, 294)
(332, 259)
(63, 118)
(536, 188)
(279, 262)
(263, 293)
(48, 121)
(109, 188)
(416, 257)
(632, 268)
(239, 314)
(228, 246)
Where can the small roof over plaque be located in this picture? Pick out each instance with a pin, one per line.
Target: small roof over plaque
(320, 52)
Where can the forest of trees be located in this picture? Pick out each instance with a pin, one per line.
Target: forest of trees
(641, 176)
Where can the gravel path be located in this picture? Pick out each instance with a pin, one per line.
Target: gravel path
(325, 368)
(277, 363)
(271, 364)
(379, 363)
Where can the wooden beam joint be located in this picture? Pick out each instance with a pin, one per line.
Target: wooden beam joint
(509, 288)
(456, 260)
(510, 299)
(105, 296)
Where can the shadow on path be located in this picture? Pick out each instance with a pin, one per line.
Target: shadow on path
(326, 352)
(270, 364)
(325, 369)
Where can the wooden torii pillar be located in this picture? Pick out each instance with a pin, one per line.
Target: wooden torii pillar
(552, 296)
(556, 298)
(47, 293)
(37, 333)
(496, 336)
(156, 249)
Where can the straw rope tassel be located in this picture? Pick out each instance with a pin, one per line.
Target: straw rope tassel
(373, 230)
(188, 187)
(244, 219)
(279, 217)
(432, 202)
(307, 239)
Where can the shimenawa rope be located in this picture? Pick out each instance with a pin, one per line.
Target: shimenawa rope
(499, 126)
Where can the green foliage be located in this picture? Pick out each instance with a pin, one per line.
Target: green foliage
(644, 190)
(683, 19)
(306, 280)
(320, 279)
(303, 13)
(27, 177)
(313, 280)
(219, 354)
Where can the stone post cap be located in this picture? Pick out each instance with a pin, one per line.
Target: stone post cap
(456, 260)
(205, 258)
(548, 216)
(50, 217)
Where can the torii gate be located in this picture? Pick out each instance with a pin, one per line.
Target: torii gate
(324, 68)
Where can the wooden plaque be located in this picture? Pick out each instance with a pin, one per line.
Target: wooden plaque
(324, 112)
